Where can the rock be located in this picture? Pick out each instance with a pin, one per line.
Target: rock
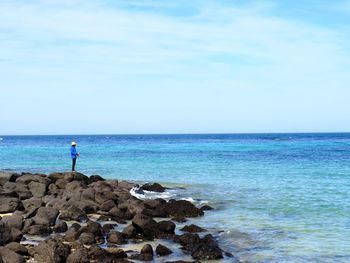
(207, 249)
(61, 183)
(16, 235)
(73, 213)
(116, 237)
(130, 231)
(37, 189)
(13, 221)
(32, 203)
(7, 177)
(97, 253)
(51, 251)
(147, 249)
(163, 250)
(108, 227)
(153, 187)
(95, 178)
(192, 229)
(94, 228)
(55, 176)
(46, 216)
(8, 204)
(146, 226)
(142, 257)
(206, 208)
(60, 227)
(167, 227)
(79, 256)
(27, 223)
(17, 248)
(87, 238)
(39, 230)
(8, 256)
(27, 178)
(188, 240)
(5, 234)
(116, 253)
(102, 196)
(182, 208)
(71, 234)
(107, 205)
(179, 219)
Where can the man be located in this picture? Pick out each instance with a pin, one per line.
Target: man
(73, 154)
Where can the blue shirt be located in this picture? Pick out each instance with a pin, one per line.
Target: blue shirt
(73, 152)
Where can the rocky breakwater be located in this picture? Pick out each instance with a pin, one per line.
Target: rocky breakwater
(65, 211)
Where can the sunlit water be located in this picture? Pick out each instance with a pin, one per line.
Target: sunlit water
(279, 198)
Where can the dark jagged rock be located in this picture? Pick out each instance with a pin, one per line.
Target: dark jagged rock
(206, 208)
(93, 228)
(147, 249)
(192, 229)
(155, 187)
(107, 205)
(188, 240)
(79, 256)
(87, 238)
(116, 237)
(39, 230)
(145, 226)
(182, 208)
(163, 250)
(60, 227)
(130, 231)
(73, 213)
(108, 227)
(5, 234)
(146, 254)
(207, 249)
(167, 227)
(51, 251)
(95, 178)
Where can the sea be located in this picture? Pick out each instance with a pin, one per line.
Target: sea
(277, 197)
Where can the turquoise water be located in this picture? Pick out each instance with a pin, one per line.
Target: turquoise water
(279, 197)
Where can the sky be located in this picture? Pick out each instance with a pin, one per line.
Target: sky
(174, 66)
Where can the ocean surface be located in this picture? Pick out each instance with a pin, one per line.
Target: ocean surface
(278, 197)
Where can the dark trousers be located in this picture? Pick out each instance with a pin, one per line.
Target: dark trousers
(74, 161)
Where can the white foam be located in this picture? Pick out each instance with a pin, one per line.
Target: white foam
(152, 195)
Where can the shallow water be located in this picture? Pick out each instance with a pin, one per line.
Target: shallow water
(279, 197)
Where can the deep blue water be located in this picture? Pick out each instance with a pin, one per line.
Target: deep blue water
(279, 197)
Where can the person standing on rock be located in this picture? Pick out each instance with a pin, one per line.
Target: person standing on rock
(73, 154)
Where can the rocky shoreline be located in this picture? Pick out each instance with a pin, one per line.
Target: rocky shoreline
(75, 219)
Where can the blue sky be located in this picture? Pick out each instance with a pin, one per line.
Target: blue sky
(158, 66)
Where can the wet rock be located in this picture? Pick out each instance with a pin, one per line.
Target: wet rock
(79, 256)
(206, 208)
(13, 221)
(130, 231)
(167, 227)
(188, 240)
(207, 249)
(97, 253)
(182, 208)
(163, 250)
(51, 251)
(71, 234)
(17, 248)
(193, 229)
(8, 256)
(179, 219)
(9, 204)
(60, 227)
(108, 227)
(155, 187)
(146, 226)
(116, 237)
(39, 230)
(142, 257)
(37, 189)
(87, 238)
(116, 253)
(27, 223)
(46, 216)
(147, 249)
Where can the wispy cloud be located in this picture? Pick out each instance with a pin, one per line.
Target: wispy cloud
(216, 44)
